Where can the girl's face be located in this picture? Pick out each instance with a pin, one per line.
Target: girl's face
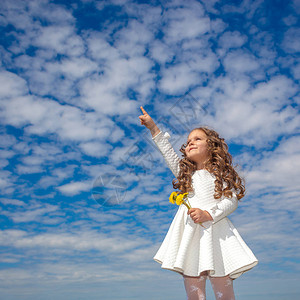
(196, 149)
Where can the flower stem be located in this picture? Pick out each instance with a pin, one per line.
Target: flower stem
(187, 206)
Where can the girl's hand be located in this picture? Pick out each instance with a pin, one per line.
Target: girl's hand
(199, 216)
(148, 122)
(146, 119)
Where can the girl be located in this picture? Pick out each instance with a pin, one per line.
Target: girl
(202, 242)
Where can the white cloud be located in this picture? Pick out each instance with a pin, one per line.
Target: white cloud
(74, 68)
(250, 115)
(185, 23)
(75, 188)
(177, 79)
(29, 169)
(161, 52)
(58, 174)
(80, 241)
(295, 5)
(21, 14)
(97, 94)
(290, 20)
(107, 93)
(122, 67)
(140, 255)
(278, 170)
(12, 85)
(47, 116)
(217, 26)
(49, 11)
(291, 40)
(32, 110)
(232, 39)
(15, 13)
(131, 41)
(100, 49)
(61, 39)
(96, 149)
(240, 62)
(6, 154)
(7, 140)
(190, 26)
(147, 14)
(296, 71)
(37, 213)
(277, 92)
(116, 135)
(246, 7)
(43, 157)
(206, 63)
(7, 182)
(16, 202)
(262, 44)
(210, 6)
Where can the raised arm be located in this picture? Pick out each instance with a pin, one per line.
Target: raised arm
(162, 142)
(148, 122)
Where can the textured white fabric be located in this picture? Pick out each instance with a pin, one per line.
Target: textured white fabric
(191, 249)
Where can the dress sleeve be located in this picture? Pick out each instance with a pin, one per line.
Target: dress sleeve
(172, 159)
(222, 209)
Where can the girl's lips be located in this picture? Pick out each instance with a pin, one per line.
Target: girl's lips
(194, 148)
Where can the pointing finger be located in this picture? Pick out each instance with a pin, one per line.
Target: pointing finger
(144, 112)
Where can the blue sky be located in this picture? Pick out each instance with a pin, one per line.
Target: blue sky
(84, 193)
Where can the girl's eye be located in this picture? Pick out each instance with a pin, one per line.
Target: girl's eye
(195, 139)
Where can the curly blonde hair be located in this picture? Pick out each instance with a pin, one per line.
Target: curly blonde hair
(218, 164)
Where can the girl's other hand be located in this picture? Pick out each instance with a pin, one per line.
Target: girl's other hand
(147, 121)
(199, 216)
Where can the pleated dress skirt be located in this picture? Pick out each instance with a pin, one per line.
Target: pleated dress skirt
(217, 248)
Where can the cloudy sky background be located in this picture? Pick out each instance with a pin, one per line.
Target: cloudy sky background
(73, 76)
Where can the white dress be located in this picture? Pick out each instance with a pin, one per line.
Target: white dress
(190, 249)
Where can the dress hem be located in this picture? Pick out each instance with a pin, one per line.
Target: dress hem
(233, 274)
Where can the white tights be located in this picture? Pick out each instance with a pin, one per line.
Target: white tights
(195, 287)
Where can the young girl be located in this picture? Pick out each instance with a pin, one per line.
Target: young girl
(202, 242)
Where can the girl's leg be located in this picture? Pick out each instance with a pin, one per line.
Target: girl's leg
(223, 287)
(195, 287)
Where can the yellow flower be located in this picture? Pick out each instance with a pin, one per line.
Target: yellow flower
(179, 199)
(173, 197)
